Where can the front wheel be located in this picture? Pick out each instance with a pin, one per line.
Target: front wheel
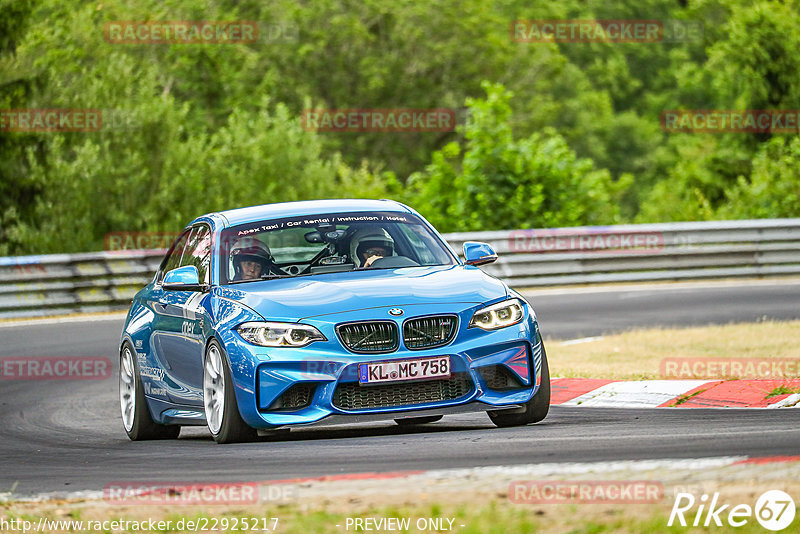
(219, 400)
(534, 410)
(136, 419)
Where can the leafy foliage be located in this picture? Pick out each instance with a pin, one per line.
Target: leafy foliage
(207, 127)
(773, 188)
(503, 182)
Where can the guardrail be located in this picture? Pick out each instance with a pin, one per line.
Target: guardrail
(106, 281)
(33, 286)
(642, 252)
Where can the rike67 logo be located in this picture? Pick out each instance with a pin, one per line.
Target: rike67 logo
(774, 510)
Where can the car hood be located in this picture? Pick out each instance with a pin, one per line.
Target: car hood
(292, 299)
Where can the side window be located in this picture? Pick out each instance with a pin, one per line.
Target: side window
(173, 257)
(198, 252)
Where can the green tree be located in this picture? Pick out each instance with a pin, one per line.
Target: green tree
(113, 182)
(501, 182)
(751, 63)
(168, 160)
(772, 189)
(17, 191)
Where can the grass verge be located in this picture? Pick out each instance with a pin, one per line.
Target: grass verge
(637, 355)
(497, 516)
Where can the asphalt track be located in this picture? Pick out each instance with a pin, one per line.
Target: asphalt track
(569, 314)
(66, 436)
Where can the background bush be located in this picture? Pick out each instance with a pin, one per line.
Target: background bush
(549, 135)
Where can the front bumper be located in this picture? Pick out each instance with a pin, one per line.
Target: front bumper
(318, 384)
(471, 407)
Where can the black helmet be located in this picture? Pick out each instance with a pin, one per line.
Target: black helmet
(250, 249)
(364, 238)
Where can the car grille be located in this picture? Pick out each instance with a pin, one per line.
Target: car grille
(296, 397)
(498, 377)
(352, 396)
(370, 336)
(429, 332)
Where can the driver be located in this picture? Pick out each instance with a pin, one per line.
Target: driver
(251, 259)
(370, 244)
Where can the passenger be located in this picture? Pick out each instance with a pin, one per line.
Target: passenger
(370, 244)
(251, 259)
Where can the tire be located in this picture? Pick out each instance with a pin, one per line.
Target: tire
(136, 419)
(219, 400)
(534, 410)
(409, 421)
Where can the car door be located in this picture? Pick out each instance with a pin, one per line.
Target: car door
(178, 338)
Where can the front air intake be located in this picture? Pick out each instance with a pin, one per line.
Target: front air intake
(352, 396)
(295, 398)
(499, 378)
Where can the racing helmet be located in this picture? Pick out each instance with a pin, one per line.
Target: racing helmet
(371, 236)
(250, 249)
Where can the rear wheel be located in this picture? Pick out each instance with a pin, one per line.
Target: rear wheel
(534, 410)
(408, 421)
(135, 414)
(219, 400)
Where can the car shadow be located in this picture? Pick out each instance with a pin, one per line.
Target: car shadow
(339, 432)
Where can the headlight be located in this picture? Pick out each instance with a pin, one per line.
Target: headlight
(279, 334)
(498, 315)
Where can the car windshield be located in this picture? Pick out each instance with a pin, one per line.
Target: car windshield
(335, 242)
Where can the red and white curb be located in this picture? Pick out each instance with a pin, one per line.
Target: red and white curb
(674, 393)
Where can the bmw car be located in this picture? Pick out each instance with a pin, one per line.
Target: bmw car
(325, 312)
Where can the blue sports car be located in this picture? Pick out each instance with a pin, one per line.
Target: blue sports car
(321, 312)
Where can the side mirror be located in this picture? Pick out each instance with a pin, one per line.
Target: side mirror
(476, 253)
(183, 279)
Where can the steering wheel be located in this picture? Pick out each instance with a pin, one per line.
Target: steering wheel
(389, 262)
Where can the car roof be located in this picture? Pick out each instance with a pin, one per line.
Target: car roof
(306, 207)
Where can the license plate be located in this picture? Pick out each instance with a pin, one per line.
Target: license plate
(402, 370)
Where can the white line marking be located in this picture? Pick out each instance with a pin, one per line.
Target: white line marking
(581, 340)
(111, 316)
(476, 473)
(791, 401)
(578, 468)
(638, 394)
(665, 286)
